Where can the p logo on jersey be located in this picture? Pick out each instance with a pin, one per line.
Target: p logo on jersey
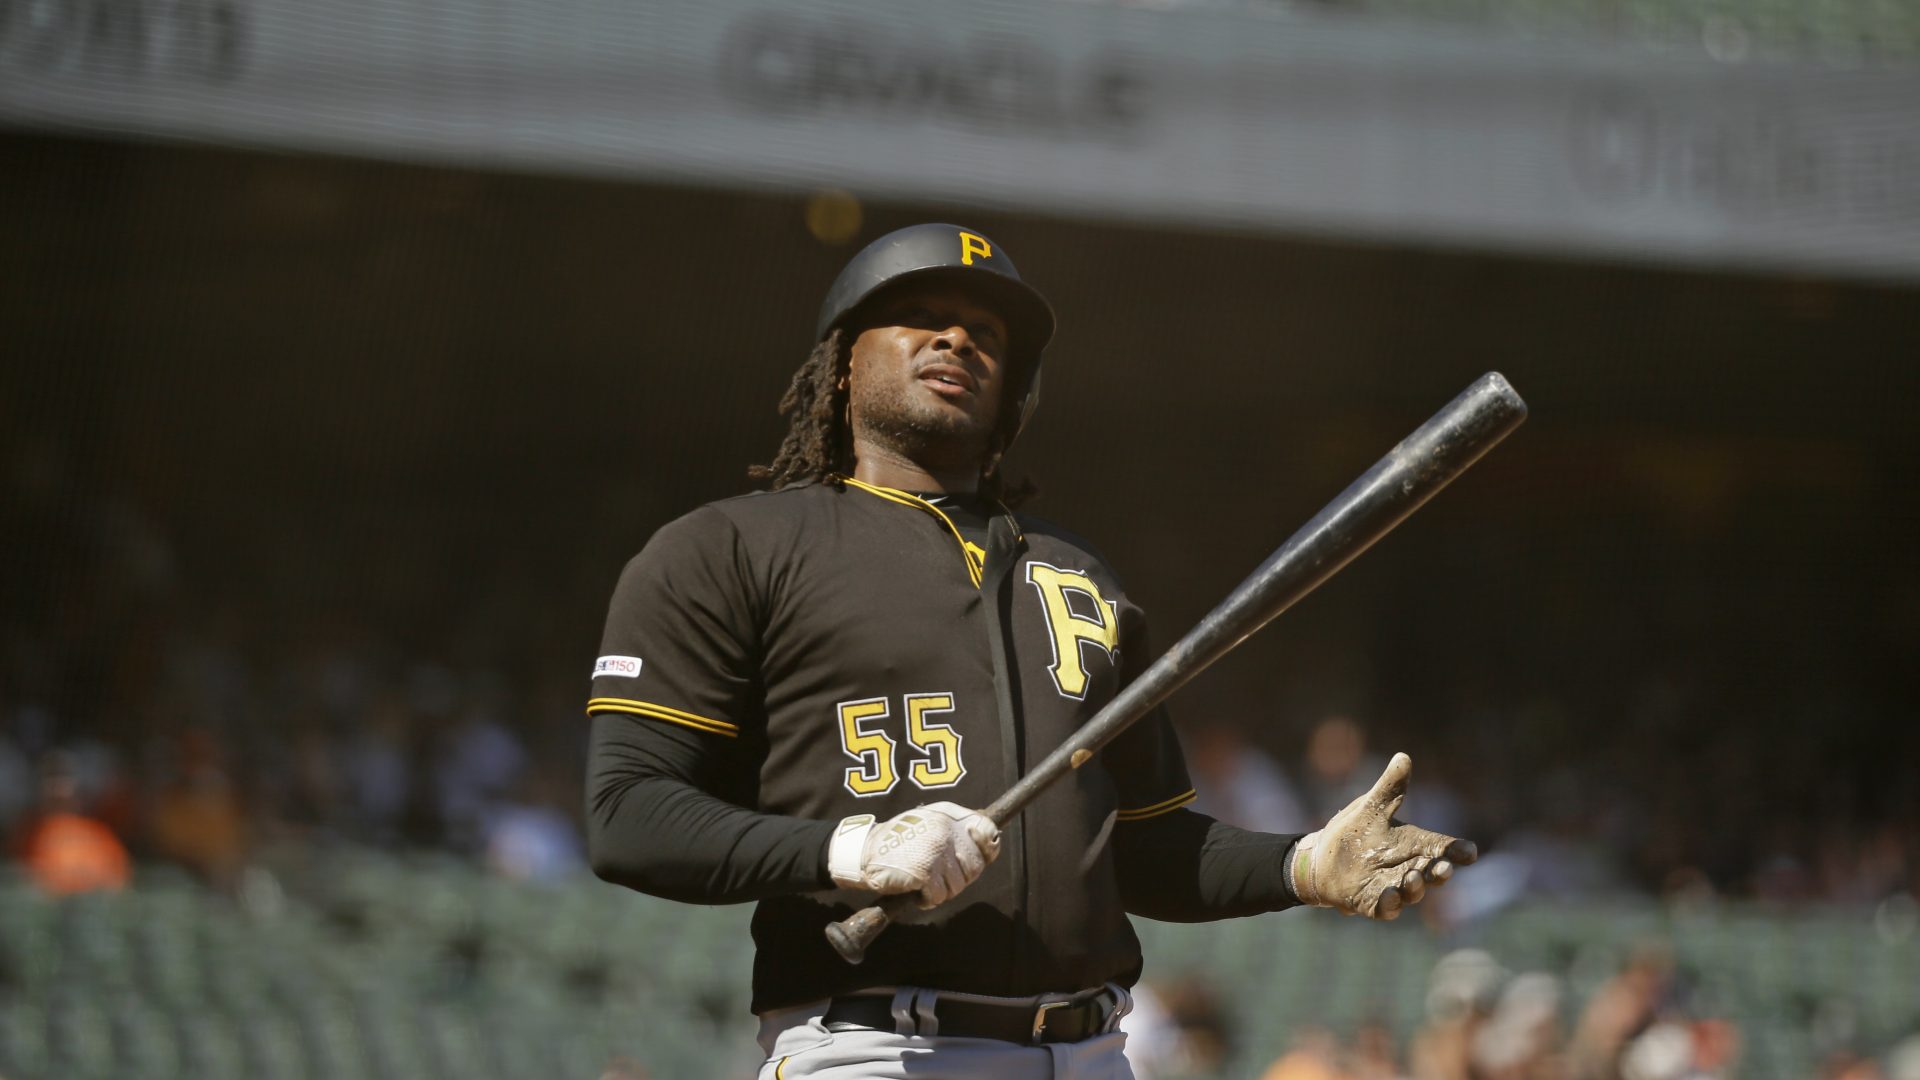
(1070, 630)
(627, 667)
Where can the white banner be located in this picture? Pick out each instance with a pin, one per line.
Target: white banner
(1205, 117)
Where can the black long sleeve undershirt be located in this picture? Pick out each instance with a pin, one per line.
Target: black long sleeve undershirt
(653, 824)
(656, 823)
(1187, 867)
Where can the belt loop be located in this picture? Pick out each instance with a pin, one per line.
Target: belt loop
(923, 1008)
(903, 1011)
(1122, 1005)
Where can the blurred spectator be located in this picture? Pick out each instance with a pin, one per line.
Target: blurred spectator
(624, 1068)
(1460, 996)
(481, 760)
(1903, 1061)
(1156, 1047)
(197, 818)
(1239, 783)
(531, 839)
(312, 795)
(1314, 1055)
(16, 785)
(64, 850)
(378, 762)
(1194, 1007)
(1662, 1052)
(1373, 1057)
(1716, 1046)
(1846, 1065)
(1521, 1039)
(1620, 1010)
(1339, 768)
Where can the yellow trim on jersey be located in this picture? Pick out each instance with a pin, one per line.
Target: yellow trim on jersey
(975, 564)
(661, 712)
(780, 1070)
(1158, 808)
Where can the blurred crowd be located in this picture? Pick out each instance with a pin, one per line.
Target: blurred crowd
(1484, 1022)
(1578, 834)
(143, 720)
(309, 748)
(193, 725)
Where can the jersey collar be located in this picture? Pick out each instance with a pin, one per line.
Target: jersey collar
(975, 559)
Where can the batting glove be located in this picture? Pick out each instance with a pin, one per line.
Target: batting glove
(1366, 862)
(935, 850)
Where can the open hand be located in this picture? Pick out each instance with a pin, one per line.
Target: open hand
(1367, 862)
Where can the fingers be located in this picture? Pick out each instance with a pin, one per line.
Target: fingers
(1441, 854)
(934, 851)
(970, 842)
(1413, 886)
(967, 853)
(1413, 861)
(1427, 845)
(947, 878)
(1454, 853)
(1395, 899)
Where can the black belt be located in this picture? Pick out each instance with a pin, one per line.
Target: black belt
(1019, 1020)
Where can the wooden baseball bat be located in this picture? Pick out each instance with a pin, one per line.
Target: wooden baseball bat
(1397, 485)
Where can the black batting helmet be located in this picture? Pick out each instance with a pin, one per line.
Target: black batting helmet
(972, 263)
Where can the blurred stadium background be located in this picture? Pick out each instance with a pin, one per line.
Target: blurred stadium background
(350, 349)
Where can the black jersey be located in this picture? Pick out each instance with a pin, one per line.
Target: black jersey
(848, 649)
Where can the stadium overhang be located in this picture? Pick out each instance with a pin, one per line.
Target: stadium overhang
(1200, 117)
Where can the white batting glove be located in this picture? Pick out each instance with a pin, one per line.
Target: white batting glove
(935, 850)
(1365, 862)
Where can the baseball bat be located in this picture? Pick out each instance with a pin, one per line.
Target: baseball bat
(1397, 485)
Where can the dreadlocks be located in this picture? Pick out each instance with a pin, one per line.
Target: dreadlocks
(819, 441)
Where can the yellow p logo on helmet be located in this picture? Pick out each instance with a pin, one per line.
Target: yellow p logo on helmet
(971, 245)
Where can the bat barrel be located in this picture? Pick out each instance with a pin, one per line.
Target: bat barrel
(1412, 472)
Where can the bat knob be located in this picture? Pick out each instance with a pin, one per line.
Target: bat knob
(851, 935)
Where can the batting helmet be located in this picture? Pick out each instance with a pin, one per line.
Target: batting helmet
(972, 263)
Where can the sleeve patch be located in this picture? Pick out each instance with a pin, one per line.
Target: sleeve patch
(661, 712)
(1162, 807)
(627, 667)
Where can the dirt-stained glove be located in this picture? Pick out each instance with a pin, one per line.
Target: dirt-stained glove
(1365, 862)
(935, 850)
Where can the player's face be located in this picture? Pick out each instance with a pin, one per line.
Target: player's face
(927, 376)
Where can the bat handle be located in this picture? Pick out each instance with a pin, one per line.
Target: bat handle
(851, 936)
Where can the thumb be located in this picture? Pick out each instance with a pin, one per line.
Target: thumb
(985, 834)
(1391, 788)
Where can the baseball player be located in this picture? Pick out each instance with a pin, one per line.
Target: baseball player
(805, 690)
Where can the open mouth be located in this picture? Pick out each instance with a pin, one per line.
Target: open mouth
(948, 380)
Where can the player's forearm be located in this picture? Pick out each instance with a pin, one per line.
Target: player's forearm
(651, 827)
(1187, 867)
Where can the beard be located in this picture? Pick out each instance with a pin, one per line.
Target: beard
(903, 421)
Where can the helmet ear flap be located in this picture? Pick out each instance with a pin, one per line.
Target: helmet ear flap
(1028, 403)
